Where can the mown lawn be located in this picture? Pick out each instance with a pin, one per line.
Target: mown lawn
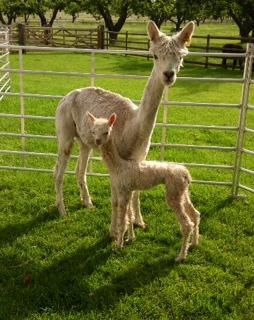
(64, 268)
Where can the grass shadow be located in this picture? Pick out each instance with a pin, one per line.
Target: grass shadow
(11, 232)
(66, 285)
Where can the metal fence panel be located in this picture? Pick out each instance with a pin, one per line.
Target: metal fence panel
(241, 129)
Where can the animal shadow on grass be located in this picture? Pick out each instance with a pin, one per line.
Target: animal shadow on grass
(11, 232)
(66, 286)
(215, 210)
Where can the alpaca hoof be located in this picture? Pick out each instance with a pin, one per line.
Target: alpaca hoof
(142, 226)
(194, 243)
(116, 248)
(61, 210)
(180, 259)
(129, 240)
(89, 206)
(113, 236)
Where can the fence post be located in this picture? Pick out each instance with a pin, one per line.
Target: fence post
(100, 37)
(207, 49)
(21, 35)
(126, 40)
(242, 118)
(21, 98)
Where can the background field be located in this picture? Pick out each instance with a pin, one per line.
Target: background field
(52, 268)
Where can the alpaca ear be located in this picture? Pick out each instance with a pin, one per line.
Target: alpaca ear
(185, 35)
(90, 116)
(112, 120)
(153, 31)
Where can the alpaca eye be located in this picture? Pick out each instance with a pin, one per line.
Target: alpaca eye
(105, 134)
(155, 57)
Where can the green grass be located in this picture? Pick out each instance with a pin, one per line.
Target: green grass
(52, 268)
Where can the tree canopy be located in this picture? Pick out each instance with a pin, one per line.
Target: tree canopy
(115, 12)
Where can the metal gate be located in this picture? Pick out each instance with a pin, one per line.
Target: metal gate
(241, 128)
(4, 62)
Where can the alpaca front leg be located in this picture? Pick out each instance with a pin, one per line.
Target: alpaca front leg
(138, 219)
(195, 218)
(81, 169)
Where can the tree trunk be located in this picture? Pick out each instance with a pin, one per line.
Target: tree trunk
(54, 14)
(244, 25)
(42, 19)
(2, 19)
(114, 28)
(244, 32)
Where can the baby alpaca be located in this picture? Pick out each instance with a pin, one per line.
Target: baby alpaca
(130, 175)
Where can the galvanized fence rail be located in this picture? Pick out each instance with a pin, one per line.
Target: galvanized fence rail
(241, 129)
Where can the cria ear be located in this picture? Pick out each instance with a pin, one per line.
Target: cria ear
(112, 120)
(153, 31)
(90, 116)
(185, 35)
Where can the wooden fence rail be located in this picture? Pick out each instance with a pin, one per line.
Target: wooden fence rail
(99, 38)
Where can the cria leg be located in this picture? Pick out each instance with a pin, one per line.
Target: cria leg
(131, 232)
(63, 157)
(186, 228)
(81, 169)
(114, 204)
(138, 219)
(195, 218)
(122, 217)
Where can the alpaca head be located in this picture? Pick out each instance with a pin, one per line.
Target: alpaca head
(101, 128)
(168, 52)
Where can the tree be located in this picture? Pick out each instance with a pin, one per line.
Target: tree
(41, 7)
(107, 9)
(241, 12)
(9, 10)
(73, 8)
(156, 10)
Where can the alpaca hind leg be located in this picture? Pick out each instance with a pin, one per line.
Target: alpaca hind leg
(81, 169)
(195, 218)
(63, 157)
(138, 219)
(186, 227)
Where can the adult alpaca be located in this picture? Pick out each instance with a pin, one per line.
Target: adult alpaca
(133, 130)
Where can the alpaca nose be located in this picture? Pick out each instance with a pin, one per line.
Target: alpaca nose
(98, 142)
(169, 75)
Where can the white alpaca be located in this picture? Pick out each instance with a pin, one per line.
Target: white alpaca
(130, 175)
(134, 127)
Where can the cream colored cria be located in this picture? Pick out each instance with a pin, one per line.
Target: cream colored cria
(133, 131)
(130, 175)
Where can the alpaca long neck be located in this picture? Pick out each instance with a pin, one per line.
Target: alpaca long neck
(137, 133)
(151, 100)
(111, 157)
